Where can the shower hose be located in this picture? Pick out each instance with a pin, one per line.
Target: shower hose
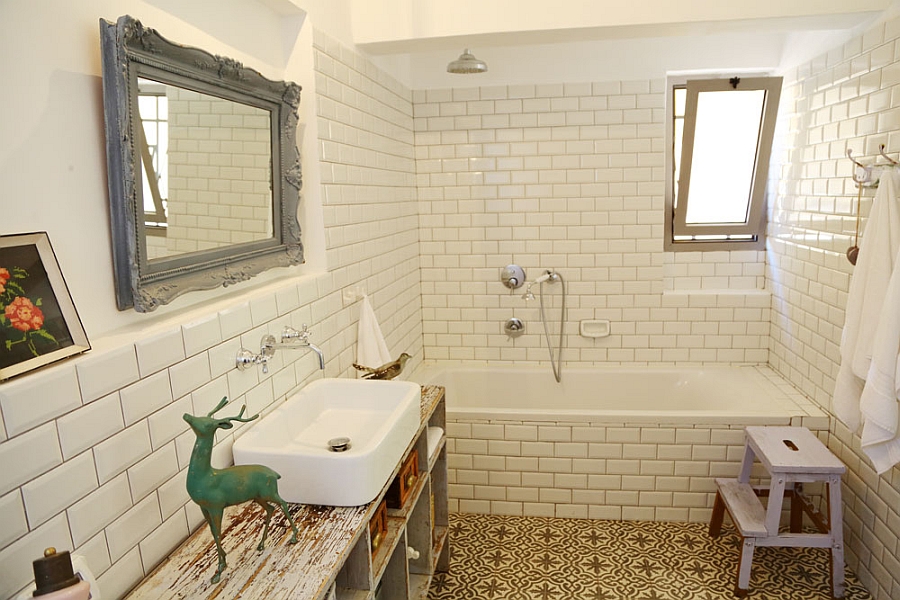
(556, 364)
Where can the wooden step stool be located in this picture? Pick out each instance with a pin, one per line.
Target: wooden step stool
(792, 456)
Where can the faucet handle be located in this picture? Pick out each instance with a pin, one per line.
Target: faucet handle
(289, 333)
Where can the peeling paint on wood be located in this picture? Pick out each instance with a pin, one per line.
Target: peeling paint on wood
(301, 571)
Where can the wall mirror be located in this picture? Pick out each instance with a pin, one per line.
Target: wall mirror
(203, 168)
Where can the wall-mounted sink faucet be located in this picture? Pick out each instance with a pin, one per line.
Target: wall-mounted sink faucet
(295, 338)
(290, 339)
(245, 358)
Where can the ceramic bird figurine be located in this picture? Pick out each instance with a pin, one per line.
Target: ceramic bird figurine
(385, 371)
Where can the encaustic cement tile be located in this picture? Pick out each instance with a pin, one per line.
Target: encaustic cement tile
(532, 558)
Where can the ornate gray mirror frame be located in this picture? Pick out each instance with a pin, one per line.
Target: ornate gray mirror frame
(131, 50)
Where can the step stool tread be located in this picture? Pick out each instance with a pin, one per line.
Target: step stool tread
(744, 506)
(792, 450)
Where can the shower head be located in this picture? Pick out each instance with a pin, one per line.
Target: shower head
(467, 63)
(528, 295)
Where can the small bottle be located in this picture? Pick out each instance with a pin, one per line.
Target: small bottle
(56, 580)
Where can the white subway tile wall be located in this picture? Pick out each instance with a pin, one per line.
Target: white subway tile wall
(571, 178)
(97, 451)
(220, 189)
(845, 99)
(626, 471)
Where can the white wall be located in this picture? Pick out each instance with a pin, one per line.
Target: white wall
(845, 98)
(93, 450)
(569, 177)
(53, 161)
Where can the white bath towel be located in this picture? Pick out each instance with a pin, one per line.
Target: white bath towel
(371, 349)
(881, 393)
(868, 286)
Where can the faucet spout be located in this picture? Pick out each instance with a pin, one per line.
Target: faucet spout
(318, 351)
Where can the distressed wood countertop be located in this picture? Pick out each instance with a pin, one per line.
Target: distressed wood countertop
(301, 571)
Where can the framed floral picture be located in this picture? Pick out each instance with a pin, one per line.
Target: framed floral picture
(38, 322)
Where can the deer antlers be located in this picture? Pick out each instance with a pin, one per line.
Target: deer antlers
(238, 418)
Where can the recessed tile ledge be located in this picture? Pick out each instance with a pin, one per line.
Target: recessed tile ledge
(717, 292)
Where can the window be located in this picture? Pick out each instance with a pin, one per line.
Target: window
(154, 111)
(719, 138)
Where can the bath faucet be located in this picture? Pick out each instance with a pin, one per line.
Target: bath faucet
(550, 276)
(290, 335)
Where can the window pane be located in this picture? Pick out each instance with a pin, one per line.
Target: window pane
(679, 138)
(150, 132)
(679, 95)
(147, 107)
(723, 161)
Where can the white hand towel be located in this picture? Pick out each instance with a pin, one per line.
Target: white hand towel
(868, 287)
(371, 349)
(881, 393)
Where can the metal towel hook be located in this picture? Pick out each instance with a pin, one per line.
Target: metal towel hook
(886, 157)
(863, 173)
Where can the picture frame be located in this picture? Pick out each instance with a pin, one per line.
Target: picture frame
(38, 321)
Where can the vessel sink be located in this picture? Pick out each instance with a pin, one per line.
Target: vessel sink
(380, 419)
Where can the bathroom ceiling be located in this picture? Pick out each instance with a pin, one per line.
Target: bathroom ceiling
(535, 41)
(389, 27)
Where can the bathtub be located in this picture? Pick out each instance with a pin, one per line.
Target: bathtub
(640, 443)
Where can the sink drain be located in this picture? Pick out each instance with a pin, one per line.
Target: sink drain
(339, 444)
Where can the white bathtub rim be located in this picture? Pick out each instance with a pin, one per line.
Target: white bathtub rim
(790, 413)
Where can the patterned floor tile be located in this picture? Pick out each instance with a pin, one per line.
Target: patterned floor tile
(532, 558)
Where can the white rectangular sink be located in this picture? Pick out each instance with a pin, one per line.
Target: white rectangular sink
(379, 417)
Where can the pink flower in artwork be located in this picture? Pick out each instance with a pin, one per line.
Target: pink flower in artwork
(23, 315)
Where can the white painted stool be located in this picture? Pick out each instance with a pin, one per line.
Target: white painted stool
(792, 456)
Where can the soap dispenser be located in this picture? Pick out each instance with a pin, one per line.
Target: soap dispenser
(56, 580)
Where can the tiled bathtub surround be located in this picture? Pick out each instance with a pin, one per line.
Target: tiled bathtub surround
(94, 450)
(844, 99)
(569, 177)
(631, 466)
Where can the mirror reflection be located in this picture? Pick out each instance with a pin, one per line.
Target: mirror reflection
(206, 170)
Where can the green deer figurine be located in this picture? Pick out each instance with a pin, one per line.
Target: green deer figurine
(214, 489)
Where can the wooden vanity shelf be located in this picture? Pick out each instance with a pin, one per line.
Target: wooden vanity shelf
(334, 557)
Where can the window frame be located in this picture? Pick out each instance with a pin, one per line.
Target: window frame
(675, 211)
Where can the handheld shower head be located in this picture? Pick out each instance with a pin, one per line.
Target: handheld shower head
(551, 276)
(528, 295)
